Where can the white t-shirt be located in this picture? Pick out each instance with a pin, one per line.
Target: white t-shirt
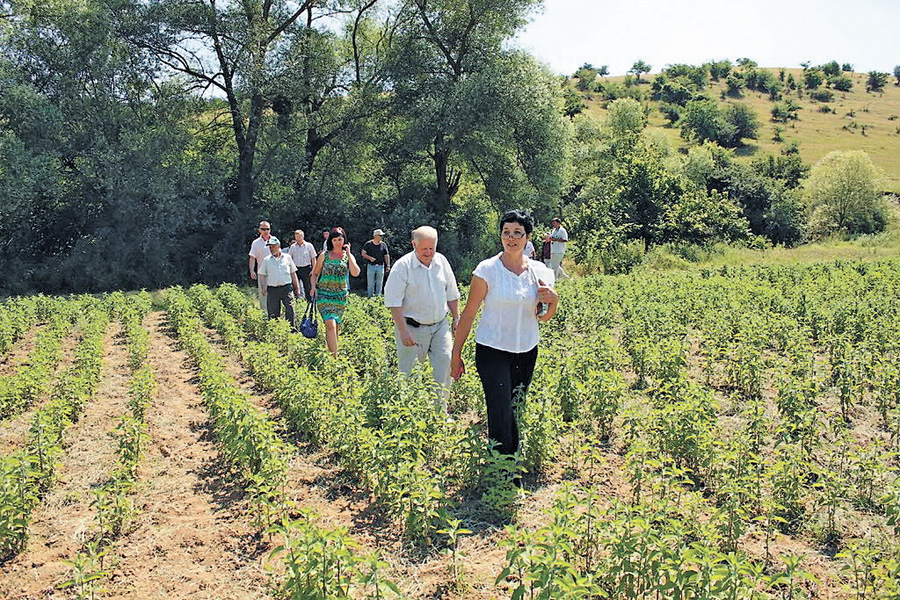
(508, 319)
(558, 247)
(259, 250)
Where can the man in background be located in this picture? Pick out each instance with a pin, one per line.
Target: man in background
(557, 238)
(375, 253)
(304, 256)
(258, 253)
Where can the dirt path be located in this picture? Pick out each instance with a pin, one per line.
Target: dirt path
(191, 538)
(64, 519)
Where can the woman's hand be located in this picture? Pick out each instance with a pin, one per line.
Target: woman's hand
(457, 368)
(546, 294)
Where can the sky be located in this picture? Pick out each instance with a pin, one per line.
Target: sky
(565, 34)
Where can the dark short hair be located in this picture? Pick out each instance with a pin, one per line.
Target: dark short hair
(335, 232)
(518, 216)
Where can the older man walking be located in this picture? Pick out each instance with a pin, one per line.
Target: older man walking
(258, 253)
(278, 274)
(419, 293)
(304, 255)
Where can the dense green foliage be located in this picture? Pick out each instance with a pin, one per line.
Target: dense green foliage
(140, 142)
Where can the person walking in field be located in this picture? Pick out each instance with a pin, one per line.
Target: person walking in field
(258, 253)
(375, 253)
(558, 237)
(419, 293)
(278, 275)
(304, 256)
(517, 294)
(329, 284)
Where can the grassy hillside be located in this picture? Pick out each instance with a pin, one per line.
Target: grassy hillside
(858, 120)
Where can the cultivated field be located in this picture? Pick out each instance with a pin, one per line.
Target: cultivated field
(723, 432)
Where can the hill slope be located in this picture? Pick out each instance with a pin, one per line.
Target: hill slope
(856, 120)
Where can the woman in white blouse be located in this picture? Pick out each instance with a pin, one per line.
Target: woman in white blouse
(517, 293)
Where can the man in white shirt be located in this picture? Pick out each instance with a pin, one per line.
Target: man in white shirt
(557, 238)
(258, 253)
(419, 293)
(304, 255)
(279, 278)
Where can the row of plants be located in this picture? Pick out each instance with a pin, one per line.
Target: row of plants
(27, 474)
(112, 503)
(17, 316)
(388, 432)
(318, 562)
(767, 395)
(31, 379)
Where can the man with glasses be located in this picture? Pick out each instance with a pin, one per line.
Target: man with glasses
(258, 253)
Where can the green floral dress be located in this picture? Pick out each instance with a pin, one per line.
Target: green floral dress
(331, 288)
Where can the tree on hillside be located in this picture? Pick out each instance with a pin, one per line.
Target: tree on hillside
(812, 78)
(718, 69)
(703, 120)
(847, 68)
(586, 76)
(639, 68)
(831, 69)
(876, 81)
(626, 118)
(843, 196)
(897, 74)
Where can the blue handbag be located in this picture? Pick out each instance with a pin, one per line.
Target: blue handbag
(309, 326)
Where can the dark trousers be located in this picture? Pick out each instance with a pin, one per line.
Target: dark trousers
(275, 297)
(505, 377)
(303, 274)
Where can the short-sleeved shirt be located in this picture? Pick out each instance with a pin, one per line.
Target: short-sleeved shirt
(376, 251)
(529, 250)
(423, 292)
(259, 250)
(303, 254)
(509, 321)
(277, 271)
(559, 247)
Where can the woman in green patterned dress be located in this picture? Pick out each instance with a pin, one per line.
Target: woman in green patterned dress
(329, 284)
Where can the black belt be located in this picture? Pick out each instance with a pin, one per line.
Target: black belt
(277, 286)
(413, 323)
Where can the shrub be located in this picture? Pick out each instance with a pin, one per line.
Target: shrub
(842, 195)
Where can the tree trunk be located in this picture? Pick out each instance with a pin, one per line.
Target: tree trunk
(447, 183)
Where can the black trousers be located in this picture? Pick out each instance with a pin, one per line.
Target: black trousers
(275, 297)
(303, 274)
(505, 377)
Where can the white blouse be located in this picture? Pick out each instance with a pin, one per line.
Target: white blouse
(508, 320)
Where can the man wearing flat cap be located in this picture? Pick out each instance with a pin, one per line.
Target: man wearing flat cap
(278, 274)
(375, 253)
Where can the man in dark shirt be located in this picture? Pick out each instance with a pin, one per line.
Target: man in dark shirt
(375, 253)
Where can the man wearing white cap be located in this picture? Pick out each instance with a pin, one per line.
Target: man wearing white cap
(375, 253)
(278, 274)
